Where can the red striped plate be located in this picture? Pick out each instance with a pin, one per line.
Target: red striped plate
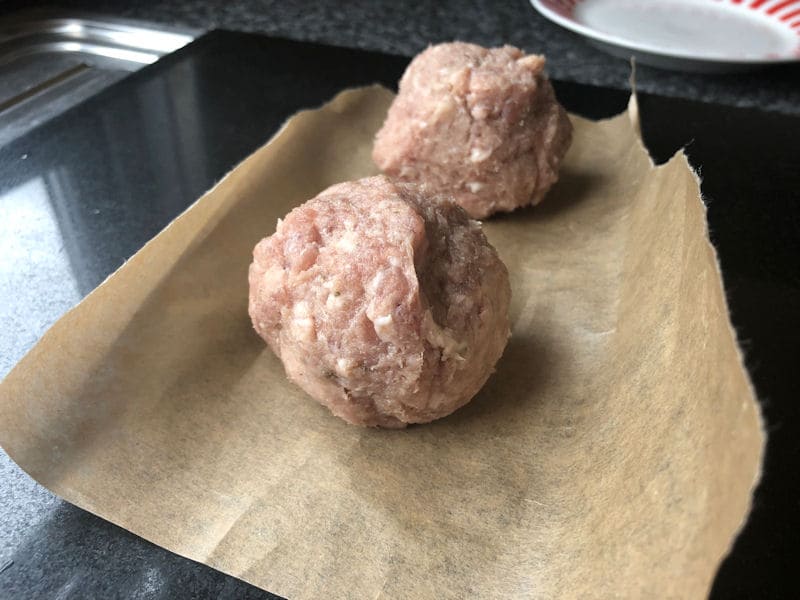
(700, 35)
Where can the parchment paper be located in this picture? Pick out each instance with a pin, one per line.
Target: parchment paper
(613, 453)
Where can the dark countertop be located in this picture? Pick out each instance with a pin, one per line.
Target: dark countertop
(406, 28)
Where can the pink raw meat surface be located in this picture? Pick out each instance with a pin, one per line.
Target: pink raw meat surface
(482, 125)
(386, 305)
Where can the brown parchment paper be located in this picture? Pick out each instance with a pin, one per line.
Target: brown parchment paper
(612, 454)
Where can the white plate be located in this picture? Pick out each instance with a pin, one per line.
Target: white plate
(699, 35)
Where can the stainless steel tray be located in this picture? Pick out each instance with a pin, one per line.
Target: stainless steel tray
(50, 61)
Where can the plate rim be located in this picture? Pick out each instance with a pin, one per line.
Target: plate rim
(594, 34)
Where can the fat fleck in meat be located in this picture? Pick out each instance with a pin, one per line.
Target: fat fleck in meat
(387, 306)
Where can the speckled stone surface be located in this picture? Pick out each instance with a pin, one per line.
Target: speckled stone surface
(406, 28)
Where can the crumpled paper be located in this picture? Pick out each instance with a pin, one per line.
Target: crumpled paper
(612, 454)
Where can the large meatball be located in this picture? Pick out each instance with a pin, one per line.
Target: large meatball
(385, 305)
(482, 125)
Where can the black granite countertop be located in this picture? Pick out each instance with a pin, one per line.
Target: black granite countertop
(406, 28)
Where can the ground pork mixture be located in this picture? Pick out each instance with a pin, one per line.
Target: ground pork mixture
(482, 125)
(385, 304)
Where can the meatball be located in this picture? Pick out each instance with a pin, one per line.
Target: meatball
(482, 125)
(385, 304)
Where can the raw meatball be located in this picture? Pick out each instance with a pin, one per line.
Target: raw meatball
(482, 125)
(387, 306)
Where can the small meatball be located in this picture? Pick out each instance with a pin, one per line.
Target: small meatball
(386, 305)
(482, 125)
